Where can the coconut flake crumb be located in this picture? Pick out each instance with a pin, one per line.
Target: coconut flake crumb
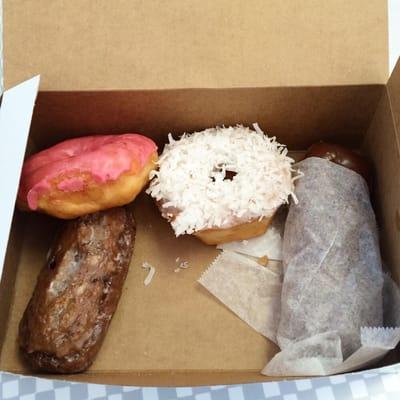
(195, 178)
(182, 265)
(151, 273)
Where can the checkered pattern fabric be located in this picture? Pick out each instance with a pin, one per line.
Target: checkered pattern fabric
(378, 384)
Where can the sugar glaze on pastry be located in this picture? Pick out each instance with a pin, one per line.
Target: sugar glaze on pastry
(87, 174)
(77, 292)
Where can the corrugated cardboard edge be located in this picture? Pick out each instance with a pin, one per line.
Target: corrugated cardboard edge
(15, 120)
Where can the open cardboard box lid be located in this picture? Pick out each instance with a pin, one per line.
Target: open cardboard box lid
(132, 44)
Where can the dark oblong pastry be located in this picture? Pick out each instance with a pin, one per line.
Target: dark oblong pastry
(77, 292)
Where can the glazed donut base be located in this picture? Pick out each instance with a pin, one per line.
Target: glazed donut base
(95, 197)
(243, 231)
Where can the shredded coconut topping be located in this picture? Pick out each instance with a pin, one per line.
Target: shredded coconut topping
(220, 177)
(151, 273)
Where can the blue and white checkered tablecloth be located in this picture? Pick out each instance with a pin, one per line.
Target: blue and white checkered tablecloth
(378, 384)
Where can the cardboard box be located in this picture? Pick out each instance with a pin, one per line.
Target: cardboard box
(304, 71)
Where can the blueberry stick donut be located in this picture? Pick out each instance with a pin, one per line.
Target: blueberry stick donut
(222, 184)
(87, 174)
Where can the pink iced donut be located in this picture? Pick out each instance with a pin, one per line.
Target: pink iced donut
(87, 174)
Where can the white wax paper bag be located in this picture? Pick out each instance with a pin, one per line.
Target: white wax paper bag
(333, 280)
(332, 268)
(248, 289)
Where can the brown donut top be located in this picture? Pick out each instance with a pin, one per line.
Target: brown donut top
(342, 156)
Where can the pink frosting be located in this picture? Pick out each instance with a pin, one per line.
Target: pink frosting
(105, 157)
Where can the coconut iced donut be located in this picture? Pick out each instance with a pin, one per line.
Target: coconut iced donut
(222, 184)
(84, 175)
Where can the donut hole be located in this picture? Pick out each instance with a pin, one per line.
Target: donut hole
(229, 175)
(221, 169)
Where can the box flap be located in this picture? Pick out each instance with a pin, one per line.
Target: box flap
(135, 44)
(15, 120)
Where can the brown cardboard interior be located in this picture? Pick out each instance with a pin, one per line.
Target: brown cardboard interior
(298, 116)
(173, 332)
(135, 44)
